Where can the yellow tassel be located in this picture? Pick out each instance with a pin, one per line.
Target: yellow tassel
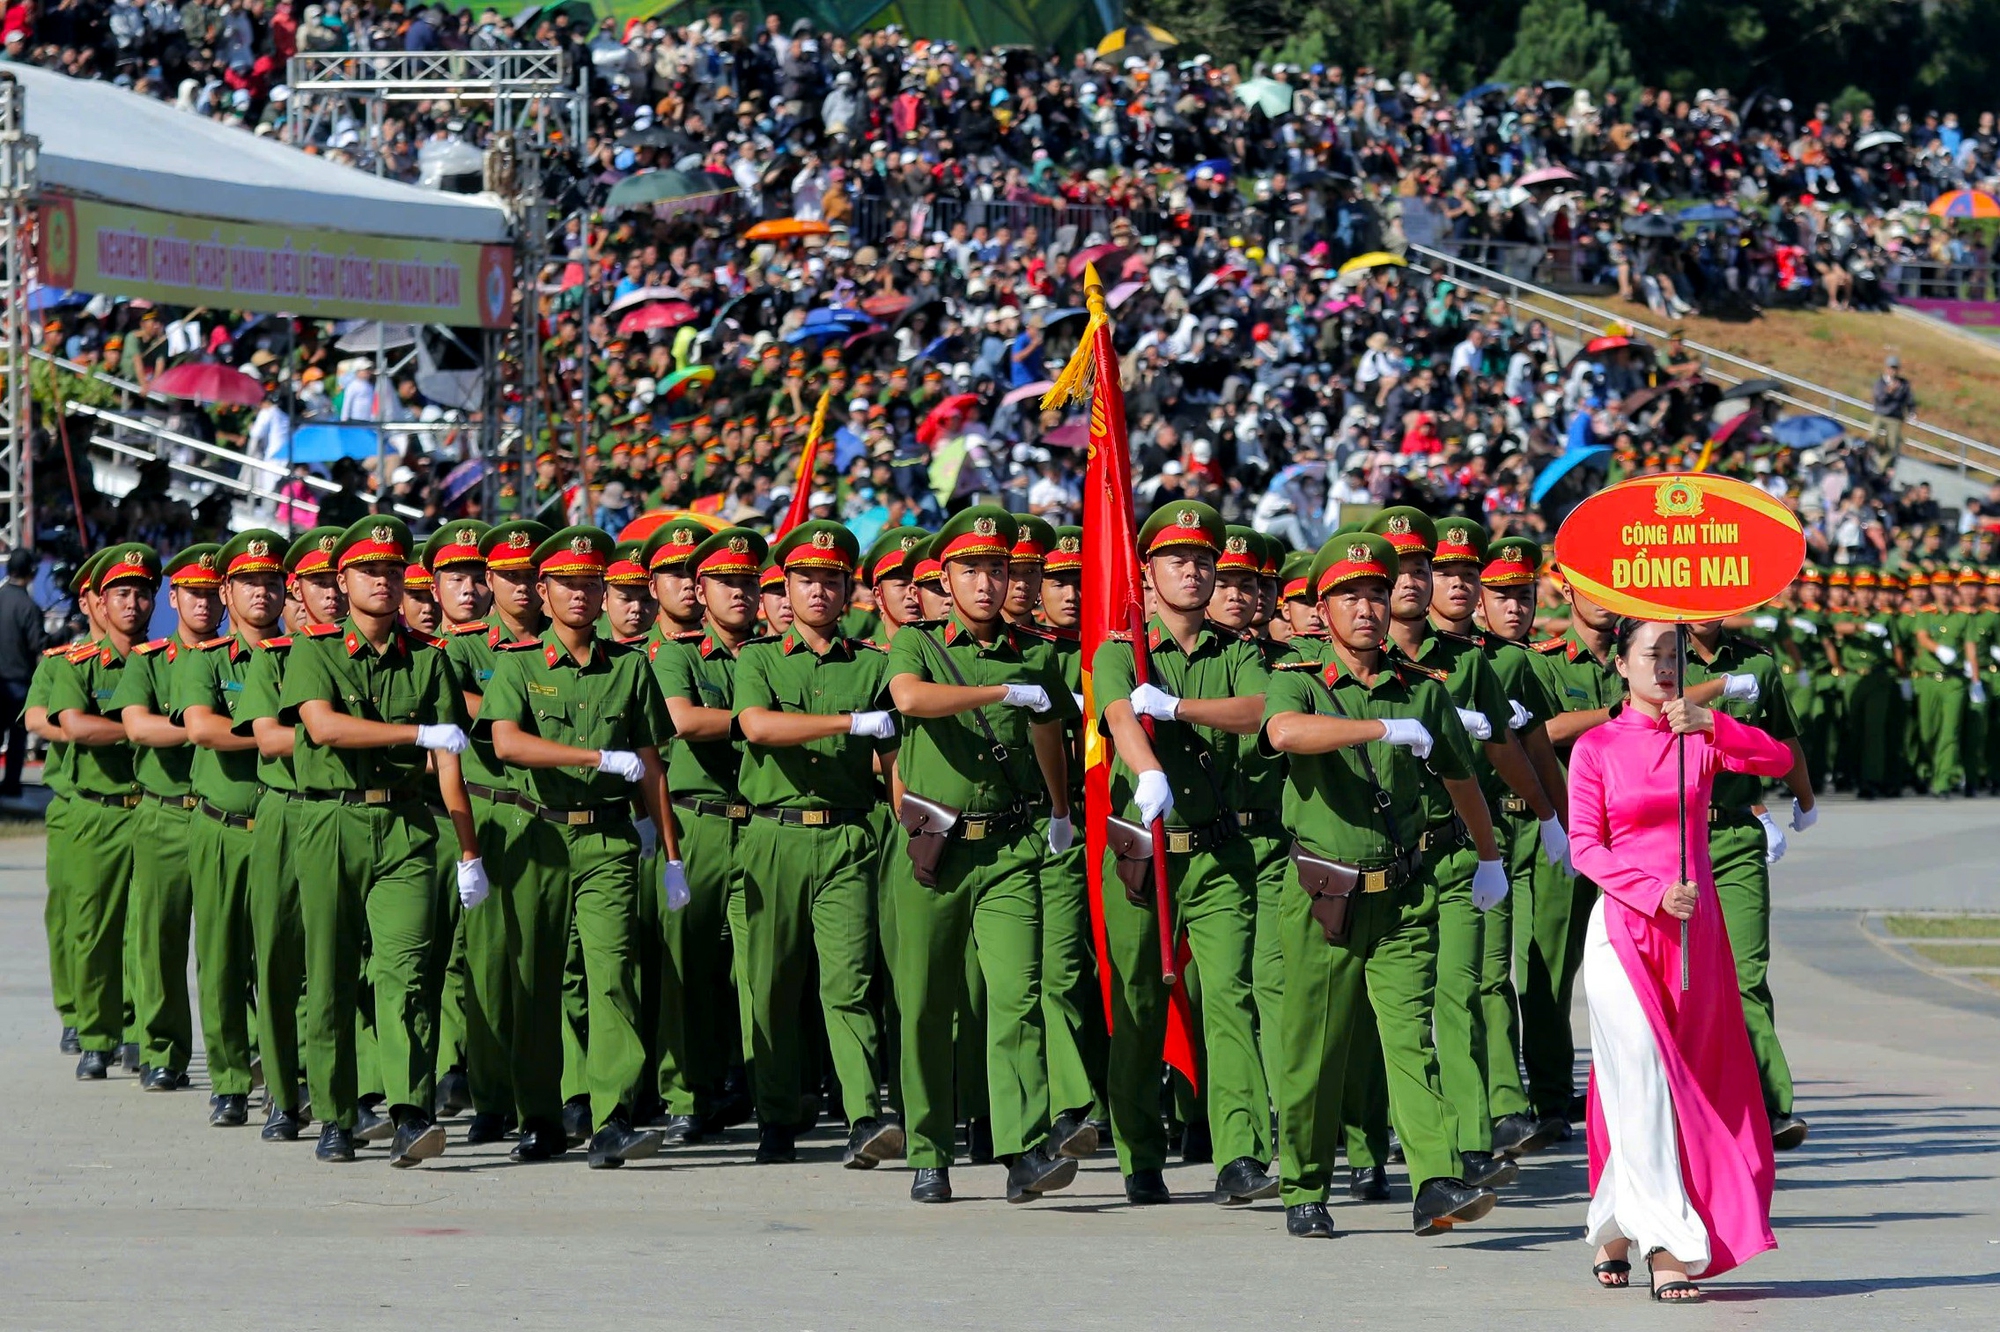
(1073, 384)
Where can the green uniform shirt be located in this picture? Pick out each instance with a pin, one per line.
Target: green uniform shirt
(263, 682)
(410, 683)
(1771, 713)
(1222, 665)
(949, 759)
(1808, 632)
(1260, 776)
(147, 682)
(609, 703)
(1872, 645)
(89, 687)
(58, 769)
(212, 676)
(1470, 680)
(700, 668)
(1949, 630)
(473, 649)
(1330, 804)
(785, 675)
(1986, 634)
(1576, 681)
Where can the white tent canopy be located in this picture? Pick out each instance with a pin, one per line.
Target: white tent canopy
(101, 142)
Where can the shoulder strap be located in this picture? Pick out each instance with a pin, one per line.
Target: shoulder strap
(999, 750)
(1383, 804)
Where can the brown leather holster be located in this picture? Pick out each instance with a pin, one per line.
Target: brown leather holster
(1133, 847)
(1332, 887)
(929, 825)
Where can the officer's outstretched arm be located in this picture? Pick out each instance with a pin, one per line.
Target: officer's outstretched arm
(1053, 759)
(337, 730)
(653, 790)
(1129, 738)
(694, 722)
(37, 720)
(1470, 802)
(274, 738)
(451, 790)
(1238, 716)
(1511, 762)
(915, 696)
(87, 728)
(1305, 733)
(514, 745)
(770, 727)
(1548, 769)
(150, 729)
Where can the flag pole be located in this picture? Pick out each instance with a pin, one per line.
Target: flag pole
(1163, 901)
(1681, 786)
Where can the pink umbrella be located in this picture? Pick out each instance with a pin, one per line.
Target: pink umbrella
(1135, 266)
(1034, 390)
(641, 296)
(886, 305)
(1072, 435)
(1547, 176)
(1078, 260)
(659, 314)
(954, 408)
(1122, 293)
(205, 381)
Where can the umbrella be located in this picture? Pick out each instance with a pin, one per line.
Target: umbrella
(1750, 388)
(1806, 432)
(205, 381)
(888, 305)
(1565, 463)
(660, 186)
(1217, 165)
(1709, 212)
(746, 310)
(641, 296)
(653, 136)
(658, 314)
(1965, 203)
(1054, 317)
(1069, 435)
(324, 443)
(1649, 224)
(786, 228)
(1486, 90)
(56, 298)
(1084, 258)
(1271, 97)
(957, 404)
(934, 307)
(1373, 259)
(652, 520)
(373, 337)
(1877, 139)
(1135, 266)
(1606, 344)
(677, 384)
(1122, 293)
(1140, 39)
(1554, 175)
(1645, 397)
(459, 482)
(1034, 390)
(1736, 430)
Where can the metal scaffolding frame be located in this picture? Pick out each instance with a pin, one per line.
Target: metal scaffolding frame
(18, 162)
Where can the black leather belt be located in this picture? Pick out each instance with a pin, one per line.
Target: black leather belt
(1260, 821)
(735, 812)
(1732, 813)
(1444, 837)
(576, 818)
(1188, 841)
(171, 802)
(808, 818)
(493, 793)
(109, 801)
(374, 795)
(225, 818)
(1513, 804)
(979, 827)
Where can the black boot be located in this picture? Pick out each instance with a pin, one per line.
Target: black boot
(576, 1120)
(1073, 1135)
(679, 1130)
(979, 1141)
(159, 1080)
(1444, 1203)
(1484, 1170)
(872, 1141)
(229, 1111)
(417, 1139)
(618, 1142)
(1368, 1184)
(484, 1127)
(1036, 1172)
(1788, 1132)
(540, 1141)
(1147, 1188)
(1520, 1135)
(1309, 1221)
(1243, 1181)
(280, 1125)
(777, 1144)
(454, 1094)
(931, 1185)
(373, 1126)
(69, 1043)
(93, 1066)
(336, 1144)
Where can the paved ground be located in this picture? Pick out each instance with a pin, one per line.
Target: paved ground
(116, 1206)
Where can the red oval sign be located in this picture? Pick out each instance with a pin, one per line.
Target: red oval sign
(1681, 546)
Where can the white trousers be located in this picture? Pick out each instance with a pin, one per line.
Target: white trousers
(1640, 1196)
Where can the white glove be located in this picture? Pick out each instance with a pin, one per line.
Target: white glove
(1765, 622)
(1079, 702)
(1993, 651)
(1805, 679)
(621, 763)
(1805, 626)
(1978, 694)
(1906, 689)
(1555, 843)
(472, 885)
(1774, 839)
(1803, 819)
(443, 736)
(1489, 885)
(1946, 655)
(874, 725)
(1154, 796)
(649, 837)
(1033, 697)
(1407, 731)
(1062, 835)
(673, 878)
(1476, 724)
(1878, 630)
(1741, 687)
(1149, 701)
(1518, 716)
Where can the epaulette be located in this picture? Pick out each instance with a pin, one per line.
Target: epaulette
(866, 643)
(471, 627)
(1428, 673)
(281, 641)
(689, 636)
(1456, 637)
(82, 652)
(148, 649)
(209, 644)
(321, 630)
(433, 640)
(632, 641)
(653, 650)
(1300, 665)
(1038, 631)
(518, 644)
(1549, 646)
(1118, 636)
(59, 650)
(763, 638)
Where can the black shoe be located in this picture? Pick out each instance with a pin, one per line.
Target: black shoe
(1147, 1188)
(979, 1141)
(230, 1111)
(540, 1142)
(871, 1142)
(1309, 1221)
(1579, 1107)
(1395, 1149)
(1788, 1132)
(1368, 1184)
(1243, 1181)
(93, 1066)
(1444, 1203)
(618, 1142)
(777, 1144)
(1073, 1136)
(678, 1130)
(417, 1139)
(576, 1120)
(69, 1043)
(280, 1125)
(1484, 1170)
(454, 1094)
(932, 1185)
(159, 1080)
(1520, 1135)
(484, 1127)
(335, 1144)
(1196, 1145)
(1036, 1172)
(373, 1126)
(1555, 1128)
(128, 1056)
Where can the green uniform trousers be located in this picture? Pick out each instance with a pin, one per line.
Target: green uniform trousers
(809, 896)
(225, 956)
(1214, 894)
(61, 856)
(99, 887)
(989, 891)
(1267, 955)
(278, 942)
(1869, 702)
(1942, 706)
(367, 880)
(1499, 1008)
(517, 951)
(491, 964)
(1072, 1001)
(1973, 750)
(1388, 968)
(159, 911)
(1458, 1026)
(1743, 885)
(1548, 950)
(448, 970)
(697, 1041)
(888, 850)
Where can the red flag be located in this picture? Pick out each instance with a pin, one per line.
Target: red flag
(802, 484)
(1112, 603)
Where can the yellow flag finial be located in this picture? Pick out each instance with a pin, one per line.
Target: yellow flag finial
(1073, 384)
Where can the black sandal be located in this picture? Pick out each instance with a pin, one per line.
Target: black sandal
(1670, 1293)
(1613, 1267)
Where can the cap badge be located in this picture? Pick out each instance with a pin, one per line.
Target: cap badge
(1399, 526)
(1237, 545)
(257, 549)
(382, 532)
(579, 545)
(822, 541)
(986, 527)
(1187, 518)
(1357, 554)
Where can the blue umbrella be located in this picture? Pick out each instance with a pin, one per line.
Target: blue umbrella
(1709, 213)
(460, 481)
(1567, 462)
(1219, 165)
(1485, 90)
(1806, 432)
(56, 298)
(324, 443)
(1054, 317)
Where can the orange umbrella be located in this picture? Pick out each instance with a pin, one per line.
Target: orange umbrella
(786, 228)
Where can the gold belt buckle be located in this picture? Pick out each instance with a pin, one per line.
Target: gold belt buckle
(579, 818)
(250, 825)
(974, 830)
(375, 796)
(1375, 881)
(1244, 818)
(1180, 843)
(815, 818)
(737, 813)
